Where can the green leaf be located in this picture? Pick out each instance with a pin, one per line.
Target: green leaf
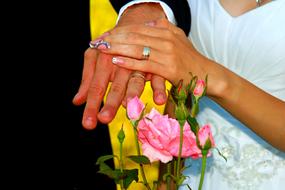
(119, 176)
(130, 176)
(140, 159)
(106, 170)
(104, 158)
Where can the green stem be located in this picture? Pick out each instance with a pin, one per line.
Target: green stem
(139, 154)
(121, 157)
(168, 178)
(179, 155)
(204, 161)
(121, 166)
(174, 171)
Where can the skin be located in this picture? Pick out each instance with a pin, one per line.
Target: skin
(98, 71)
(231, 91)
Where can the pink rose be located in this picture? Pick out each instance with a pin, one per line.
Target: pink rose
(204, 135)
(135, 108)
(159, 136)
(199, 88)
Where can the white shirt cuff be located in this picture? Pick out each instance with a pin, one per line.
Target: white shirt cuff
(168, 12)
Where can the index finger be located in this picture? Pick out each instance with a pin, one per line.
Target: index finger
(97, 90)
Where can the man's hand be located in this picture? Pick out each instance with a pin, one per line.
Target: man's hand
(99, 70)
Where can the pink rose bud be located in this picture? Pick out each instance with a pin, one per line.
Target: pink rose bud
(135, 108)
(206, 138)
(199, 88)
(160, 135)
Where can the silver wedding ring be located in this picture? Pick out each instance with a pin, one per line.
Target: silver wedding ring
(138, 74)
(146, 52)
(98, 43)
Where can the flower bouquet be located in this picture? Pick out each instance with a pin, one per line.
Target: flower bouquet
(160, 138)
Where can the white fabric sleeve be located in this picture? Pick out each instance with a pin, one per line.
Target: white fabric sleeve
(168, 12)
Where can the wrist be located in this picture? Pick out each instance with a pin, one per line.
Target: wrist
(141, 13)
(219, 80)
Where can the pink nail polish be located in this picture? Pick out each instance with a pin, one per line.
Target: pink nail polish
(117, 60)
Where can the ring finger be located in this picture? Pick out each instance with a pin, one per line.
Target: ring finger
(132, 51)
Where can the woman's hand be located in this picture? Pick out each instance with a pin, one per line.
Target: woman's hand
(172, 54)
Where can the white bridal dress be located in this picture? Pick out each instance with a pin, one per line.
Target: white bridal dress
(253, 46)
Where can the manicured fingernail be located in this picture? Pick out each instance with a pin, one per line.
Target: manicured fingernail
(150, 23)
(117, 60)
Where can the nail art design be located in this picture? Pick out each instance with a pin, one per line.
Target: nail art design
(97, 43)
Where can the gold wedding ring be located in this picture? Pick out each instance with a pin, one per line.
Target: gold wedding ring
(138, 74)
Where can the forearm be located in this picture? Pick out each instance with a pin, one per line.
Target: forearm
(260, 111)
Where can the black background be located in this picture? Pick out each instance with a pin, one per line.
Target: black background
(44, 144)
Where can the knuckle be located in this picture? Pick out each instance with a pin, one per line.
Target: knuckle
(104, 60)
(131, 36)
(89, 53)
(96, 90)
(117, 88)
(169, 46)
(169, 34)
